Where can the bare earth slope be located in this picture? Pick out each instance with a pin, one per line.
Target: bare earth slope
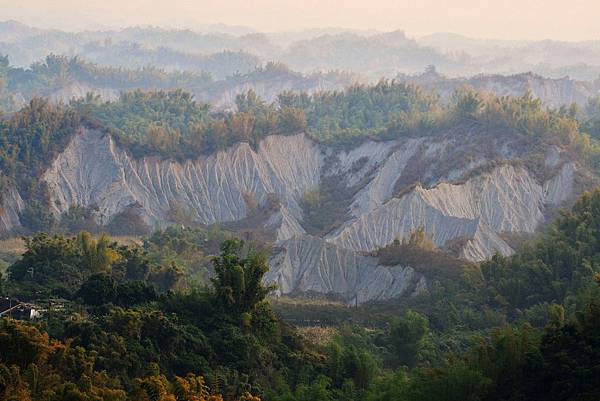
(11, 205)
(467, 192)
(554, 92)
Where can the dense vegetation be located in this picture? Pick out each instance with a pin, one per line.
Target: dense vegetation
(30, 139)
(590, 115)
(188, 248)
(135, 336)
(173, 124)
(520, 327)
(56, 73)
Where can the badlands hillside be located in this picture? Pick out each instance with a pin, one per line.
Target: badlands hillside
(196, 212)
(63, 79)
(470, 192)
(554, 92)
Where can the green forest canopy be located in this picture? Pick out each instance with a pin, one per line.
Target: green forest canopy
(525, 327)
(173, 124)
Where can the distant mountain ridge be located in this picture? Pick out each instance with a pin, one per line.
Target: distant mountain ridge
(373, 54)
(63, 79)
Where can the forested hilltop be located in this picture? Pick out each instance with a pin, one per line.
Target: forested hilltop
(62, 79)
(518, 327)
(344, 143)
(172, 124)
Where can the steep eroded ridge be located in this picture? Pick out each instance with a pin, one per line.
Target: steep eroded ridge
(94, 171)
(11, 206)
(505, 200)
(465, 191)
(311, 265)
(553, 92)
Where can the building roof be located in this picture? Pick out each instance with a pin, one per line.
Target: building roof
(8, 304)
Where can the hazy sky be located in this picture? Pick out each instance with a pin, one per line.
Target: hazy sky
(510, 19)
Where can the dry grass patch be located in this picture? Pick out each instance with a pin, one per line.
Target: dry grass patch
(12, 246)
(317, 335)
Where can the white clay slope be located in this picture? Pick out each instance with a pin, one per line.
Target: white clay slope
(474, 213)
(11, 206)
(506, 200)
(94, 171)
(309, 264)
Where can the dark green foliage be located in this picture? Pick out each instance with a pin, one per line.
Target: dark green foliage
(291, 120)
(419, 252)
(238, 282)
(77, 219)
(128, 222)
(157, 118)
(172, 124)
(348, 362)
(167, 277)
(134, 292)
(591, 123)
(98, 289)
(555, 267)
(569, 365)
(189, 248)
(59, 266)
(230, 335)
(360, 111)
(30, 139)
(325, 208)
(132, 326)
(36, 217)
(133, 264)
(405, 337)
(466, 105)
(34, 367)
(50, 265)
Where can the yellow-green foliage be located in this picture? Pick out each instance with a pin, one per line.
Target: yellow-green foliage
(418, 238)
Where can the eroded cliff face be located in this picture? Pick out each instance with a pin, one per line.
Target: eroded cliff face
(11, 205)
(505, 200)
(310, 265)
(466, 192)
(93, 171)
(553, 92)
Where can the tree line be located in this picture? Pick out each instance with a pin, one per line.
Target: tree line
(526, 326)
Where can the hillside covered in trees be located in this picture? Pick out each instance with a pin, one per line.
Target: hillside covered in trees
(124, 333)
(212, 212)
(62, 79)
(167, 319)
(173, 125)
